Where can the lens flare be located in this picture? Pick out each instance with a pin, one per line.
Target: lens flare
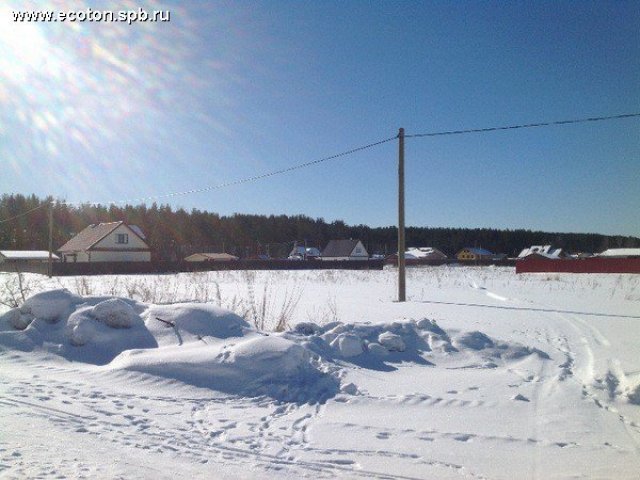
(78, 98)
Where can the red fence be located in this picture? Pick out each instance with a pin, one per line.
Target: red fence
(579, 265)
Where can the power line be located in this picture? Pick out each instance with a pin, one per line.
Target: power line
(526, 125)
(250, 179)
(25, 213)
(338, 155)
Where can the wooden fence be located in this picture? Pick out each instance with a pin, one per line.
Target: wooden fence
(129, 268)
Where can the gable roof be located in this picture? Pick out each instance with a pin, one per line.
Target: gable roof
(478, 251)
(543, 250)
(201, 257)
(27, 255)
(91, 235)
(340, 248)
(424, 252)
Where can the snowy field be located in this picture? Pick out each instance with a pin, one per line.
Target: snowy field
(481, 374)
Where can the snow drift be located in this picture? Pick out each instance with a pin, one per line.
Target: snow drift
(207, 346)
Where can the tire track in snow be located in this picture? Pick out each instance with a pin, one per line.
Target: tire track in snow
(583, 373)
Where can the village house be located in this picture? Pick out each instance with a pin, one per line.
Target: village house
(107, 242)
(546, 251)
(302, 253)
(470, 254)
(345, 250)
(424, 253)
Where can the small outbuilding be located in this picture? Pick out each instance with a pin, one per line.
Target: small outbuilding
(304, 252)
(211, 257)
(344, 250)
(424, 253)
(24, 260)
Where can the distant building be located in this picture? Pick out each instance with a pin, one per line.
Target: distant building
(21, 260)
(211, 257)
(344, 250)
(472, 254)
(544, 251)
(620, 253)
(424, 253)
(107, 242)
(304, 252)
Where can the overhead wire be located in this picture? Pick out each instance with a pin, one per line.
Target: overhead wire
(26, 213)
(338, 155)
(249, 179)
(525, 125)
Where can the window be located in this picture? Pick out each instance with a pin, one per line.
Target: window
(122, 238)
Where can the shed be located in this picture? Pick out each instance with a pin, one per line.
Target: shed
(211, 257)
(424, 253)
(35, 261)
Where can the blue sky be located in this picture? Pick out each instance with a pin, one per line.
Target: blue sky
(105, 112)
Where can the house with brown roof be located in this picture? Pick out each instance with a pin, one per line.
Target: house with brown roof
(107, 242)
(345, 250)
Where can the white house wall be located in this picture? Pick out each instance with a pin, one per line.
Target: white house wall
(120, 256)
(359, 252)
(110, 240)
(116, 256)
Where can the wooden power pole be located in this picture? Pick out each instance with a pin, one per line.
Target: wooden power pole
(50, 266)
(402, 287)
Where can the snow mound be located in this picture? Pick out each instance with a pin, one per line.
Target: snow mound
(348, 345)
(14, 318)
(392, 342)
(50, 306)
(473, 340)
(192, 322)
(98, 334)
(256, 366)
(115, 313)
(493, 349)
(404, 338)
(633, 395)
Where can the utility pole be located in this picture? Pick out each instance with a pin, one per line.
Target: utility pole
(402, 287)
(50, 265)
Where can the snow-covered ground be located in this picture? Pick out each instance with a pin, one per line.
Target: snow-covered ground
(480, 374)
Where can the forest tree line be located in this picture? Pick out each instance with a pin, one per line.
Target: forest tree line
(173, 234)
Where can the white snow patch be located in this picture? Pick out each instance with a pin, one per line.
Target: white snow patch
(392, 342)
(348, 345)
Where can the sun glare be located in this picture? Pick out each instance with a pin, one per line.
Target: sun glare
(23, 47)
